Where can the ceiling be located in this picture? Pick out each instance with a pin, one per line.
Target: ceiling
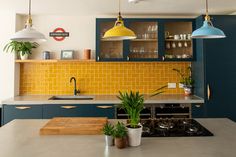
(110, 7)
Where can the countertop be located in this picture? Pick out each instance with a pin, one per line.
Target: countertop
(20, 138)
(103, 99)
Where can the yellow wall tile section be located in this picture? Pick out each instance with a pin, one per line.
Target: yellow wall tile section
(97, 77)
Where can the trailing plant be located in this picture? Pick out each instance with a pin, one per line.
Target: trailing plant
(159, 91)
(120, 130)
(186, 79)
(23, 47)
(108, 129)
(133, 104)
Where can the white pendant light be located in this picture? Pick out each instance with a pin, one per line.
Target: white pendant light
(28, 34)
(208, 31)
(119, 31)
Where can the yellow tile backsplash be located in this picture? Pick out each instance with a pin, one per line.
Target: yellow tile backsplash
(98, 77)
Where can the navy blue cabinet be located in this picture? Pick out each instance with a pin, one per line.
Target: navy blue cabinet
(157, 40)
(214, 70)
(11, 112)
(82, 110)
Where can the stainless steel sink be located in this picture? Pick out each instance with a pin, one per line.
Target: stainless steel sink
(72, 97)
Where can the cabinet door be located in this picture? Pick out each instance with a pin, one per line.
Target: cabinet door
(178, 45)
(214, 69)
(55, 110)
(146, 46)
(11, 112)
(104, 111)
(198, 111)
(107, 50)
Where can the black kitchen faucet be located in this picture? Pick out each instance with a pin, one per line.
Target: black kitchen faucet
(75, 90)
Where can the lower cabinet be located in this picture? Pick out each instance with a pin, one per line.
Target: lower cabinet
(86, 110)
(198, 111)
(11, 112)
(48, 111)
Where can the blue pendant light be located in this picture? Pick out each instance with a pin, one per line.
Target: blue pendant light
(208, 31)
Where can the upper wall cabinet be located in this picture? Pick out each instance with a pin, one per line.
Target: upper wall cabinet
(157, 40)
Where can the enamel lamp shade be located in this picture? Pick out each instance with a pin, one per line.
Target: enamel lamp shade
(119, 31)
(208, 31)
(28, 34)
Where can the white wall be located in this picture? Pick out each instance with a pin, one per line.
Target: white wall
(7, 66)
(81, 29)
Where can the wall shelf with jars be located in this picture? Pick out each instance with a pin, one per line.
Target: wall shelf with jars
(157, 40)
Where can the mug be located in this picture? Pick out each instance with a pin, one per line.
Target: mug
(176, 37)
(173, 45)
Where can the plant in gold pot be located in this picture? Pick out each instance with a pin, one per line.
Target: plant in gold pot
(120, 135)
(133, 104)
(186, 80)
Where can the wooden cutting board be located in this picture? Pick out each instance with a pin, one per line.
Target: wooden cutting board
(74, 126)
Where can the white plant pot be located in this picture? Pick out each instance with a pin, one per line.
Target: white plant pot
(134, 136)
(24, 57)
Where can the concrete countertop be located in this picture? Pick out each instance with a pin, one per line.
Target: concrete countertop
(102, 99)
(20, 138)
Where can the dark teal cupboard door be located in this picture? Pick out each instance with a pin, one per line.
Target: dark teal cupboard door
(55, 110)
(220, 63)
(11, 112)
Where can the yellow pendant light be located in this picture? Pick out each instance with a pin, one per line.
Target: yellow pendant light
(119, 31)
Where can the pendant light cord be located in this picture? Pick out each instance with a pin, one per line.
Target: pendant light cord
(207, 17)
(29, 20)
(119, 17)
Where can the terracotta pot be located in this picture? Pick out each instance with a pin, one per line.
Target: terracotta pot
(121, 142)
(87, 54)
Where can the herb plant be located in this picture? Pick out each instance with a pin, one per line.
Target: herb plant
(108, 129)
(120, 130)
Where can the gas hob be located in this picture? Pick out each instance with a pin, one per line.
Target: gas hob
(173, 128)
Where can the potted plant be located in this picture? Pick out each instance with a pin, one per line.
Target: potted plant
(186, 80)
(133, 104)
(120, 135)
(108, 131)
(21, 48)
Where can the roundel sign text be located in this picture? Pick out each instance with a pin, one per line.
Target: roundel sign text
(59, 34)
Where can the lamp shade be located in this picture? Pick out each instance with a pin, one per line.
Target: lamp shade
(208, 31)
(119, 32)
(28, 34)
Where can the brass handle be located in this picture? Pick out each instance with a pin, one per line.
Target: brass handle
(163, 58)
(98, 58)
(68, 107)
(208, 92)
(23, 107)
(127, 58)
(104, 107)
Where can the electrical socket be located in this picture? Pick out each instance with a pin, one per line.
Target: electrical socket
(171, 85)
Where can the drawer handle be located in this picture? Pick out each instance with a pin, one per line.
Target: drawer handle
(23, 107)
(104, 107)
(208, 92)
(69, 107)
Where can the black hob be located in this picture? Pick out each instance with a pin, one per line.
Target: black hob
(173, 128)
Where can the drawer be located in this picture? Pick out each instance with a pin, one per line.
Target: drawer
(11, 112)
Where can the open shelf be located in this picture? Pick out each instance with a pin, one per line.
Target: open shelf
(144, 40)
(178, 40)
(51, 61)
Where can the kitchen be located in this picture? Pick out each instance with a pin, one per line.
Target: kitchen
(37, 89)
